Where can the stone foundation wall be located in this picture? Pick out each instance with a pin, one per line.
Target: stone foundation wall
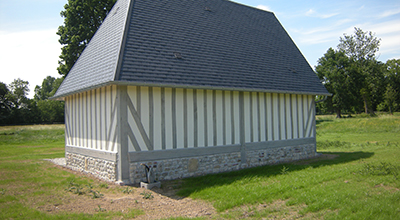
(170, 169)
(280, 155)
(103, 169)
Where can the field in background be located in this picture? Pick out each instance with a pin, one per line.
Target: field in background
(358, 177)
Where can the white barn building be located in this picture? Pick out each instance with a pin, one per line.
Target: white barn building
(190, 88)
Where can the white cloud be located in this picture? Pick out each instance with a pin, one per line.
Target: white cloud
(310, 12)
(343, 21)
(313, 13)
(30, 55)
(390, 13)
(264, 7)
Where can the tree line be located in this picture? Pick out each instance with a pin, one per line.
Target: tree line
(17, 108)
(357, 81)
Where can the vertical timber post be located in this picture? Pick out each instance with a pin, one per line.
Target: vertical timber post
(123, 154)
(314, 124)
(242, 129)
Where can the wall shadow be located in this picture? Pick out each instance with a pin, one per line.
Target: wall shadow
(191, 185)
(319, 121)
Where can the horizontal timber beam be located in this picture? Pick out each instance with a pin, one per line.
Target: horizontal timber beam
(110, 156)
(203, 151)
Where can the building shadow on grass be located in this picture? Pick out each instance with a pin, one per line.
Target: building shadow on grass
(194, 184)
(319, 121)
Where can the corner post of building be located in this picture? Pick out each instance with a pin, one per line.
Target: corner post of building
(242, 129)
(123, 152)
(314, 125)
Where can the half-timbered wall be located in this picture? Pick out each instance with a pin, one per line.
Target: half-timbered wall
(90, 119)
(171, 118)
(110, 131)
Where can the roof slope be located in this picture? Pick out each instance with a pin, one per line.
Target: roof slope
(192, 43)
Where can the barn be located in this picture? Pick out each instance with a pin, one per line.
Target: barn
(189, 88)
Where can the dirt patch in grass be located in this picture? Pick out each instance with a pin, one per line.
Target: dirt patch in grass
(389, 188)
(276, 210)
(157, 207)
(316, 159)
(163, 203)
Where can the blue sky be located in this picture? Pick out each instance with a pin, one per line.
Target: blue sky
(29, 47)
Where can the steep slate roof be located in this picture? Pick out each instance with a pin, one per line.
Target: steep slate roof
(212, 44)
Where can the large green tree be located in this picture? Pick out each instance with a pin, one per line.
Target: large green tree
(82, 18)
(333, 71)
(361, 48)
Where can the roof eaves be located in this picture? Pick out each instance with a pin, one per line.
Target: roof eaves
(223, 88)
(182, 86)
(62, 96)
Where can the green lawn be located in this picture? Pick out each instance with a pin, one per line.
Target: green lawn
(358, 177)
(361, 182)
(27, 182)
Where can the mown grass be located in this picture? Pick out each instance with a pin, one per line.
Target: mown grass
(363, 182)
(27, 182)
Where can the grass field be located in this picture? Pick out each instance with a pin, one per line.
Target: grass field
(357, 178)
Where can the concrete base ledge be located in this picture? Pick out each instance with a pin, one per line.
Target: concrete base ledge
(150, 185)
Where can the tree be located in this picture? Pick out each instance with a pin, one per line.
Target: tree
(333, 71)
(361, 48)
(50, 110)
(392, 93)
(22, 109)
(56, 85)
(82, 18)
(48, 88)
(43, 92)
(5, 105)
(18, 91)
(376, 83)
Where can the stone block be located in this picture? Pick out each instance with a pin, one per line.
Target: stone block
(193, 165)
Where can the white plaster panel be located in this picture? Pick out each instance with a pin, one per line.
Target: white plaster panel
(228, 118)
(179, 118)
(200, 117)
(219, 118)
(144, 108)
(237, 117)
(157, 118)
(269, 117)
(190, 116)
(210, 129)
(247, 129)
(256, 118)
(262, 120)
(168, 118)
